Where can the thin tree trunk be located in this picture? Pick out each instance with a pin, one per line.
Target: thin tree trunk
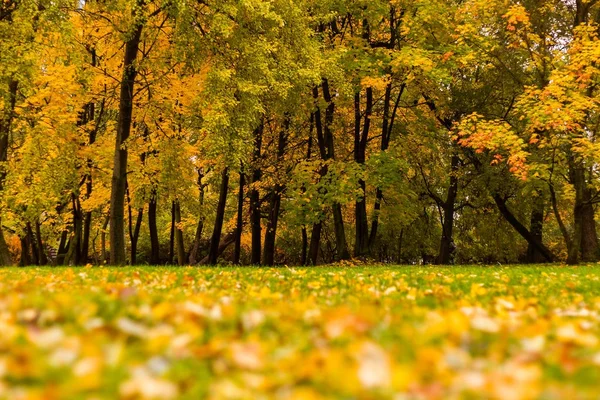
(589, 238)
(117, 195)
(5, 130)
(172, 235)
(237, 253)
(536, 227)
(179, 245)
(213, 254)
(135, 235)
(271, 231)
(255, 208)
(154, 244)
(387, 125)
(200, 227)
(361, 239)
(342, 252)
(103, 240)
(446, 243)
(40, 245)
(304, 251)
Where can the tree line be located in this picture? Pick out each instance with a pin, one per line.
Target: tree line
(298, 132)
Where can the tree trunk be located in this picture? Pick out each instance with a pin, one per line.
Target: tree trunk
(271, 232)
(154, 244)
(179, 245)
(33, 245)
(340, 234)
(304, 251)
(589, 238)
(200, 227)
(213, 253)
(25, 257)
(103, 241)
(117, 195)
(361, 240)
(172, 235)
(135, 235)
(5, 129)
(386, 132)
(237, 253)
(446, 243)
(315, 241)
(520, 228)
(536, 227)
(40, 245)
(255, 199)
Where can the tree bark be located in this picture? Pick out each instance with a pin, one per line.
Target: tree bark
(179, 245)
(5, 130)
(237, 253)
(154, 244)
(255, 210)
(386, 132)
(536, 227)
(42, 257)
(213, 253)
(200, 227)
(521, 229)
(117, 195)
(271, 231)
(172, 235)
(446, 243)
(361, 240)
(315, 241)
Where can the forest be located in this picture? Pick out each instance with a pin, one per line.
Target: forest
(299, 132)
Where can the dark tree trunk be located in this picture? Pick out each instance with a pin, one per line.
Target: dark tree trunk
(73, 255)
(589, 238)
(255, 199)
(386, 132)
(577, 178)
(89, 115)
(63, 246)
(179, 245)
(33, 245)
(271, 231)
(134, 233)
(105, 254)
(237, 253)
(25, 256)
(152, 227)
(446, 243)
(40, 245)
(5, 129)
(361, 240)
(304, 251)
(226, 242)
(521, 229)
(172, 235)
(315, 242)
(536, 227)
(117, 195)
(200, 227)
(338, 221)
(213, 253)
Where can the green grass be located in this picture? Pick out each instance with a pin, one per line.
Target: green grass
(324, 332)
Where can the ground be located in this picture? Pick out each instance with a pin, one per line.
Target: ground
(507, 332)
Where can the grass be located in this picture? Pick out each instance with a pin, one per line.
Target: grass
(509, 332)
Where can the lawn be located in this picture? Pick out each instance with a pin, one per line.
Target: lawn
(507, 332)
